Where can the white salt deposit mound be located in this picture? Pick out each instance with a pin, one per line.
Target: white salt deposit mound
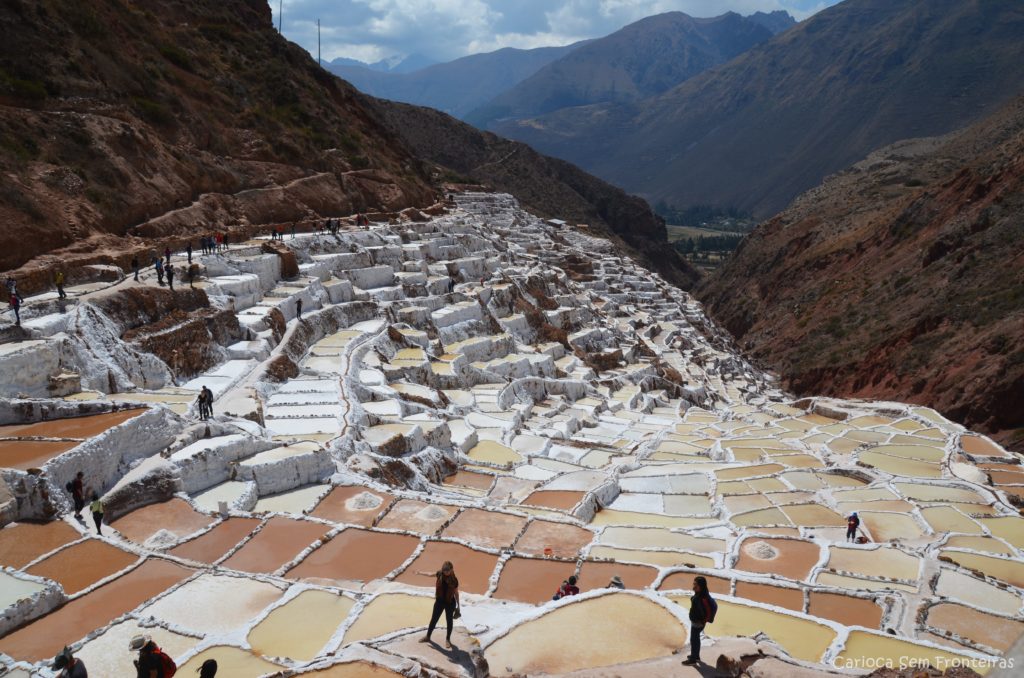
(761, 550)
(162, 539)
(364, 501)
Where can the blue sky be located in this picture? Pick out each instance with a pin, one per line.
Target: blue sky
(370, 30)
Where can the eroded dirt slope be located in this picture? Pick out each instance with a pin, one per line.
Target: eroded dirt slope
(902, 277)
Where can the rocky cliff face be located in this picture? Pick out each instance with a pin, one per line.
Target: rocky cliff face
(902, 277)
(162, 118)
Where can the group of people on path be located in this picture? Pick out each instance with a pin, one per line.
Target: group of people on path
(205, 403)
(152, 662)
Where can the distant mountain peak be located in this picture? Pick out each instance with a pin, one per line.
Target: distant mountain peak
(777, 22)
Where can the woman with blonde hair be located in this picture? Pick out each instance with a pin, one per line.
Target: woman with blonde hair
(446, 598)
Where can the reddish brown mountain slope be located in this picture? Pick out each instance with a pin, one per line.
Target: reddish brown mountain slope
(901, 278)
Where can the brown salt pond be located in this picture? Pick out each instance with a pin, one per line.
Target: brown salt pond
(486, 528)
(352, 504)
(791, 599)
(789, 558)
(280, 541)
(470, 479)
(595, 575)
(211, 546)
(543, 537)
(473, 568)
(356, 554)
(846, 610)
(529, 580)
(417, 516)
(71, 427)
(621, 628)
(564, 500)
(301, 627)
(81, 565)
(998, 633)
(979, 446)
(45, 637)
(26, 454)
(21, 543)
(175, 515)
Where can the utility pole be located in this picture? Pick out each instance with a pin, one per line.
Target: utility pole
(280, 10)
(318, 62)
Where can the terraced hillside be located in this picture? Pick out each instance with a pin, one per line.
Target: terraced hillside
(483, 388)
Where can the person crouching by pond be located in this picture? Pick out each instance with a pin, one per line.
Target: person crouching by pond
(702, 612)
(446, 599)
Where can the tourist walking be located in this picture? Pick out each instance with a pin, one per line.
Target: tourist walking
(158, 264)
(298, 309)
(207, 395)
(568, 588)
(208, 669)
(167, 255)
(188, 251)
(170, 277)
(193, 273)
(97, 512)
(69, 665)
(446, 599)
(12, 288)
(852, 523)
(152, 662)
(58, 280)
(15, 303)
(293, 230)
(78, 494)
(702, 612)
(135, 267)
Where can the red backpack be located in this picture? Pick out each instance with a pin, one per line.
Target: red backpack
(168, 665)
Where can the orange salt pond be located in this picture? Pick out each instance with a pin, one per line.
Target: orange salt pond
(352, 504)
(175, 515)
(80, 428)
(211, 546)
(213, 603)
(532, 580)
(21, 543)
(791, 599)
(26, 454)
(45, 637)
(486, 528)
(789, 558)
(595, 575)
(998, 633)
(301, 627)
(470, 479)
(564, 500)
(417, 516)
(473, 568)
(561, 540)
(846, 610)
(280, 541)
(83, 564)
(356, 554)
(621, 628)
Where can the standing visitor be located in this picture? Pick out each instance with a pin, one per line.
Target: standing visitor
(208, 398)
(135, 267)
(158, 264)
(702, 613)
(852, 523)
(446, 599)
(298, 309)
(78, 494)
(293, 230)
(16, 305)
(97, 512)
(188, 251)
(58, 280)
(170, 277)
(12, 288)
(167, 255)
(193, 273)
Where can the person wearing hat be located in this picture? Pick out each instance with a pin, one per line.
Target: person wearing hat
(69, 666)
(616, 583)
(150, 663)
(208, 669)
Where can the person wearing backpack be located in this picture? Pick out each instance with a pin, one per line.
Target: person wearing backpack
(702, 612)
(152, 662)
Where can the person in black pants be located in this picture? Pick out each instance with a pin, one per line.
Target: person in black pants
(446, 598)
(700, 613)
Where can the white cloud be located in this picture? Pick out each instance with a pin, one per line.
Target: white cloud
(370, 30)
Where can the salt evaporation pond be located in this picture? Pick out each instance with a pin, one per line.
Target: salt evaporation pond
(439, 414)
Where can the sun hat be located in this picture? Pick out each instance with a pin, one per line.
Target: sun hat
(617, 580)
(138, 642)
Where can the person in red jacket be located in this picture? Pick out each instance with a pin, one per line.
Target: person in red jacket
(568, 588)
